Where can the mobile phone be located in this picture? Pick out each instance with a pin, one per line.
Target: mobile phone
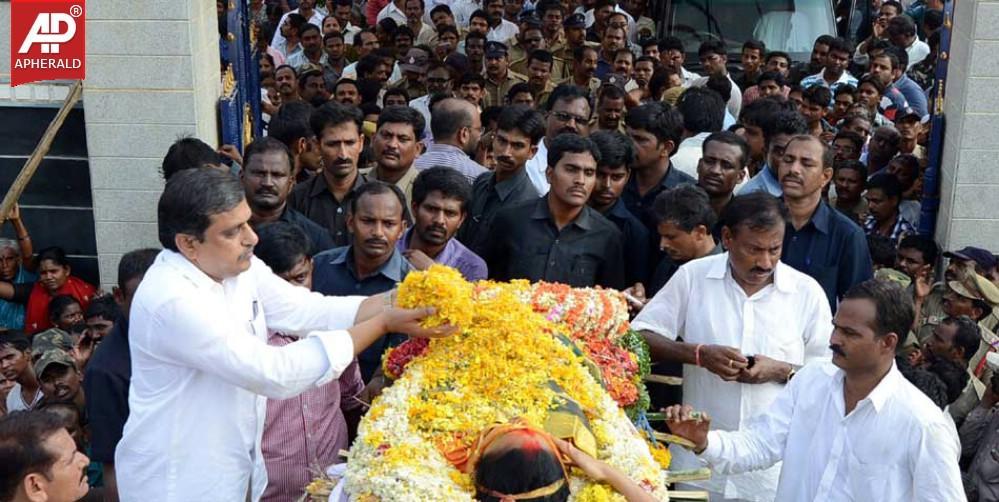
(752, 361)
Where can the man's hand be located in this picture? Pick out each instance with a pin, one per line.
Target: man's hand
(726, 362)
(878, 29)
(764, 370)
(230, 152)
(688, 424)
(922, 286)
(407, 321)
(635, 296)
(82, 351)
(418, 259)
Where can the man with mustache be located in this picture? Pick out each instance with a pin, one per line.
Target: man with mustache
(851, 429)
(267, 181)
(42, 458)
(395, 145)
(499, 77)
(440, 205)
(558, 237)
(763, 321)
(59, 378)
(15, 364)
(819, 241)
(584, 69)
(722, 167)
(323, 198)
(617, 153)
(568, 111)
(286, 79)
(371, 264)
(519, 129)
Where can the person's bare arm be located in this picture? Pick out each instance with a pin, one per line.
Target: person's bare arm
(602, 472)
(393, 320)
(110, 483)
(23, 237)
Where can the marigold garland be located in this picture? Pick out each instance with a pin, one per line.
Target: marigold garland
(500, 366)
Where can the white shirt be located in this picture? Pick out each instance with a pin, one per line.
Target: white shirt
(316, 19)
(202, 370)
(393, 11)
(503, 33)
(788, 320)
(689, 153)
(350, 71)
(15, 401)
(688, 77)
(917, 52)
(895, 445)
(536, 168)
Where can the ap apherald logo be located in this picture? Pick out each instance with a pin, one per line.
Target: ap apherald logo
(47, 40)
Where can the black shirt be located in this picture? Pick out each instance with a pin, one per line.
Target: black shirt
(313, 199)
(636, 243)
(105, 383)
(334, 274)
(831, 249)
(642, 206)
(488, 197)
(665, 270)
(318, 236)
(525, 244)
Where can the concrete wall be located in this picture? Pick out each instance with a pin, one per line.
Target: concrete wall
(969, 212)
(152, 77)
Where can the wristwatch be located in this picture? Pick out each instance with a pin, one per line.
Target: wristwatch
(790, 373)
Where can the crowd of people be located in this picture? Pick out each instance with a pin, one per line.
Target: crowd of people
(760, 222)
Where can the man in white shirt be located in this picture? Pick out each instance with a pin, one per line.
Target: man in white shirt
(201, 366)
(714, 57)
(306, 9)
(852, 429)
(394, 10)
(746, 321)
(901, 32)
(500, 30)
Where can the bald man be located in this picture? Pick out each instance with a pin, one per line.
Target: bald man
(456, 126)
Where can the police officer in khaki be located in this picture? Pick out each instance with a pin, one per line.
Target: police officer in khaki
(499, 77)
(574, 30)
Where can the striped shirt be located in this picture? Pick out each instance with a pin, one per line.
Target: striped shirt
(451, 156)
(306, 432)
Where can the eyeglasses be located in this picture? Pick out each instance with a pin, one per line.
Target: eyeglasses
(566, 117)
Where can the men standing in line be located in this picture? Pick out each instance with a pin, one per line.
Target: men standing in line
(764, 321)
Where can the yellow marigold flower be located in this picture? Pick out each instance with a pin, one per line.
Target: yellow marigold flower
(599, 493)
(443, 288)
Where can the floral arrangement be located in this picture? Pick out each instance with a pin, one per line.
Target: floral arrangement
(515, 343)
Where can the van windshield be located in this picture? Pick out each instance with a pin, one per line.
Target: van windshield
(783, 25)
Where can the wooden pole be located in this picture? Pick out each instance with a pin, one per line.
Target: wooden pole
(41, 149)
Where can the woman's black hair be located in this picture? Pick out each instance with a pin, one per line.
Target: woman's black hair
(516, 471)
(54, 254)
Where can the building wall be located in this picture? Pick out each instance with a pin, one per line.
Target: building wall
(969, 205)
(152, 77)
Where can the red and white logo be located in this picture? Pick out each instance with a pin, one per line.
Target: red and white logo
(47, 40)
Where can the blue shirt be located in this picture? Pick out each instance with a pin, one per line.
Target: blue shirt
(830, 248)
(913, 94)
(763, 180)
(335, 275)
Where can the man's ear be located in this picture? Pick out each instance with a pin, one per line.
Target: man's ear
(890, 341)
(186, 245)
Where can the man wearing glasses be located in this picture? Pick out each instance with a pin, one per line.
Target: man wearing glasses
(568, 111)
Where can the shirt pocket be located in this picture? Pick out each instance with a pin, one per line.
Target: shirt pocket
(583, 271)
(871, 481)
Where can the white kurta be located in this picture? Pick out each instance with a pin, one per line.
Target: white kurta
(202, 370)
(788, 320)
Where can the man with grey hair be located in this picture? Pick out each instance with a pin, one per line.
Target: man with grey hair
(16, 279)
(456, 126)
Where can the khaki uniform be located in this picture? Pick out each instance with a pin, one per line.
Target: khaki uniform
(542, 97)
(558, 66)
(496, 91)
(564, 52)
(593, 86)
